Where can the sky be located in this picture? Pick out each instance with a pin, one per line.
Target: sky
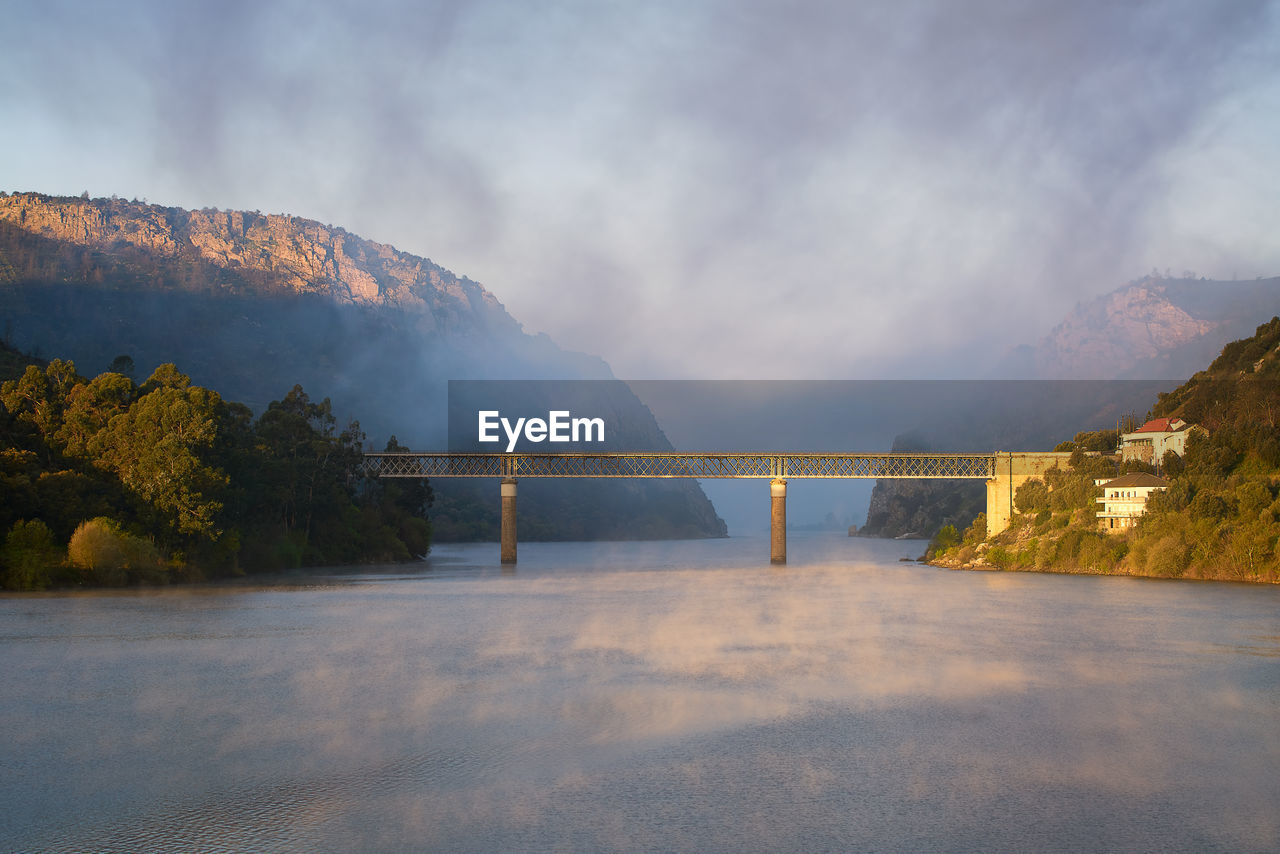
(695, 189)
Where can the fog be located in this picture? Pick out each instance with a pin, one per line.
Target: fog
(662, 695)
(711, 190)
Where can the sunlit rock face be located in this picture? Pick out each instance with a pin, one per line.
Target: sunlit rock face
(1117, 330)
(1150, 328)
(245, 291)
(286, 253)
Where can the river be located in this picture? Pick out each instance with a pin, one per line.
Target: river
(677, 696)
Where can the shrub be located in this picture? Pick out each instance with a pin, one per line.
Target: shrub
(977, 532)
(1251, 497)
(1168, 557)
(946, 538)
(1098, 552)
(113, 557)
(1001, 557)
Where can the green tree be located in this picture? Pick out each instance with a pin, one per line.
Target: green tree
(159, 446)
(1250, 543)
(1171, 465)
(39, 398)
(1252, 497)
(399, 507)
(30, 556)
(977, 532)
(1032, 496)
(308, 471)
(947, 537)
(123, 365)
(90, 407)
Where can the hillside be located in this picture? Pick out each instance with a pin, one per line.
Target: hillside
(1219, 517)
(247, 253)
(252, 304)
(1151, 328)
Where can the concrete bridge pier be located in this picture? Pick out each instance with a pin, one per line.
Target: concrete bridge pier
(778, 521)
(1012, 470)
(508, 535)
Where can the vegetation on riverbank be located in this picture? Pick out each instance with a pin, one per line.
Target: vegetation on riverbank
(105, 482)
(1219, 518)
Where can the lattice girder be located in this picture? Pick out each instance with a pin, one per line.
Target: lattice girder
(681, 465)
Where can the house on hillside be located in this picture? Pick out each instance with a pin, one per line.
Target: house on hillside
(1150, 441)
(1124, 499)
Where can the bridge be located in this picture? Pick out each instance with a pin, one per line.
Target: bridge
(1003, 472)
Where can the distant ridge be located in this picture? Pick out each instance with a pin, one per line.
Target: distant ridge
(262, 253)
(246, 301)
(1151, 328)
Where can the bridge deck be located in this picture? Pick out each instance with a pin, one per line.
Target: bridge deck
(677, 464)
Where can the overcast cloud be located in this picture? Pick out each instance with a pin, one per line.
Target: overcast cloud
(695, 189)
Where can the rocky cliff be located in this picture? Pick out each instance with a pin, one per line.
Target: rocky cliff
(289, 255)
(1151, 327)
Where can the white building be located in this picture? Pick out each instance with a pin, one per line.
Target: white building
(1124, 499)
(1150, 441)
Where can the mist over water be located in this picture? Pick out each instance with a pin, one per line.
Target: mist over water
(646, 696)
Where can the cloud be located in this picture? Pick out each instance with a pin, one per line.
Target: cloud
(748, 190)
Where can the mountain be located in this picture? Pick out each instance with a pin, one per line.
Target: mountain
(250, 304)
(161, 272)
(1150, 328)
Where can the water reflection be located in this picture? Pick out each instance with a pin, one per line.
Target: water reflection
(607, 698)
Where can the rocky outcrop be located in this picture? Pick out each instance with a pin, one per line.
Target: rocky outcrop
(1152, 327)
(289, 254)
(1129, 325)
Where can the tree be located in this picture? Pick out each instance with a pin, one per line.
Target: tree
(977, 532)
(308, 471)
(30, 556)
(123, 365)
(39, 398)
(946, 538)
(90, 407)
(1032, 496)
(158, 448)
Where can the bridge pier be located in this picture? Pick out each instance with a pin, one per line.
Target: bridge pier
(1012, 470)
(508, 531)
(778, 521)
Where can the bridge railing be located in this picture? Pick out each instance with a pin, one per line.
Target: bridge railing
(681, 465)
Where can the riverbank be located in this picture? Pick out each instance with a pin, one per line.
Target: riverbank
(1072, 549)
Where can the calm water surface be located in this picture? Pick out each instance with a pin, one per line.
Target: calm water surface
(646, 697)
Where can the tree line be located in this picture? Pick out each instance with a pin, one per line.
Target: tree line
(105, 481)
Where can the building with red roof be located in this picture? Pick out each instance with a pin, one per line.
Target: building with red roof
(1150, 441)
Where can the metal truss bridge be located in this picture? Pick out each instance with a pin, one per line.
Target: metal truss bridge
(778, 468)
(678, 464)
